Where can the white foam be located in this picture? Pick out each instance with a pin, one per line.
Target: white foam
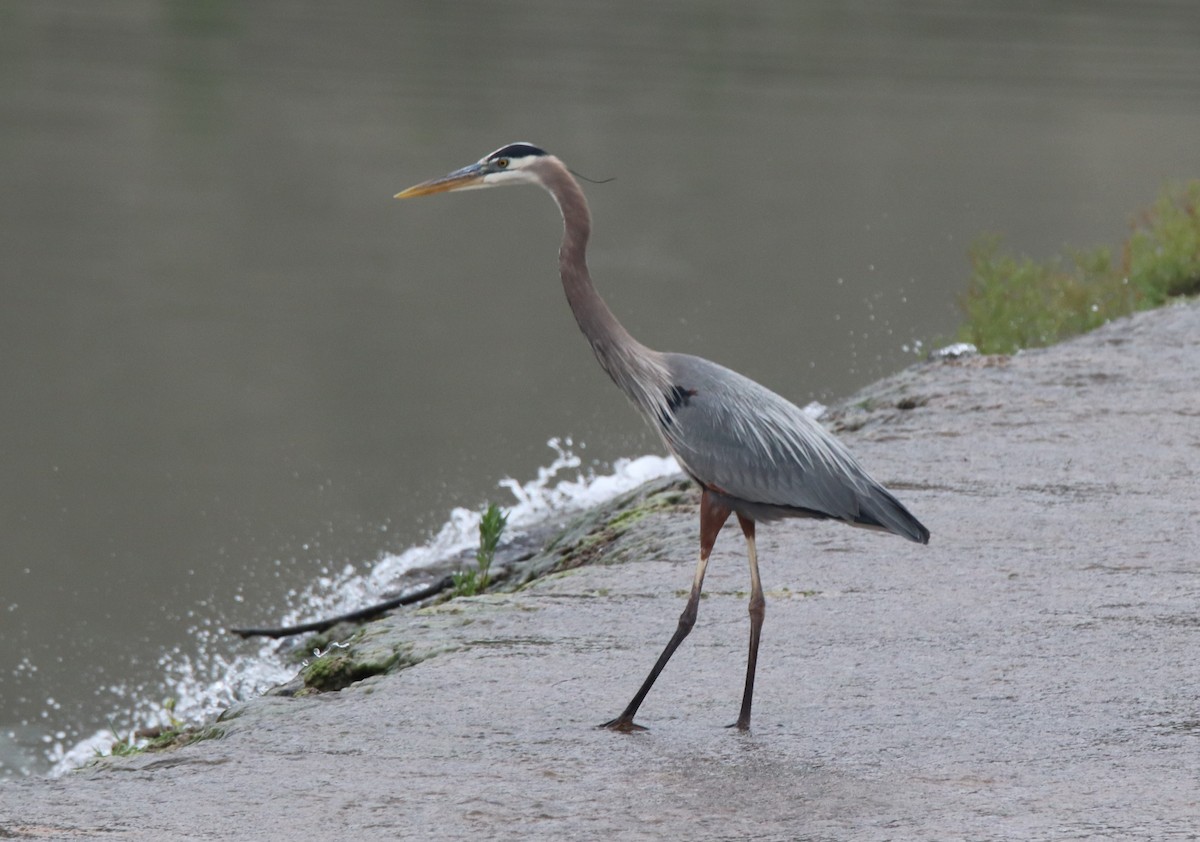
(203, 682)
(814, 410)
(950, 352)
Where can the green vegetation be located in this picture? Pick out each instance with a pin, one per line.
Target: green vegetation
(1163, 253)
(336, 670)
(121, 746)
(372, 650)
(158, 739)
(1016, 302)
(469, 582)
(172, 735)
(594, 538)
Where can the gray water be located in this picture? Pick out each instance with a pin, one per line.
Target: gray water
(231, 363)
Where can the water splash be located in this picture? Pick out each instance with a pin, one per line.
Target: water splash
(814, 410)
(206, 679)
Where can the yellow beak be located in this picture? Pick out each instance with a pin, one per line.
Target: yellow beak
(463, 179)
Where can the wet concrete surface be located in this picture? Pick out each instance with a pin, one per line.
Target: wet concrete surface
(1031, 674)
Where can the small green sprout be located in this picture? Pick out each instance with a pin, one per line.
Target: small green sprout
(469, 582)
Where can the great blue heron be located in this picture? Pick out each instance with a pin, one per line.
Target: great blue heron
(752, 453)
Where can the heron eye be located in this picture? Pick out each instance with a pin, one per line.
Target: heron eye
(502, 163)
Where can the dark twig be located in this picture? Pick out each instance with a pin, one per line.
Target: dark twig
(354, 616)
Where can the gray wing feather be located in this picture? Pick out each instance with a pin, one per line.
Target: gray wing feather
(745, 441)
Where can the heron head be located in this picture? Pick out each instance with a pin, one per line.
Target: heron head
(511, 164)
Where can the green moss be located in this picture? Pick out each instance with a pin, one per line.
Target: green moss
(1015, 302)
(668, 498)
(365, 655)
(593, 544)
(175, 738)
(160, 739)
(624, 520)
(333, 671)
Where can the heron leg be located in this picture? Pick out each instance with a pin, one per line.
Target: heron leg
(712, 517)
(758, 609)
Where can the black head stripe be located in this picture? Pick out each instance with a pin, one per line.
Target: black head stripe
(516, 150)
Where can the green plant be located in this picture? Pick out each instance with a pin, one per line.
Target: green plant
(1016, 302)
(468, 582)
(173, 721)
(1162, 257)
(147, 739)
(174, 733)
(121, 746)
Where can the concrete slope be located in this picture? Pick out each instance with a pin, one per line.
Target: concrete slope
(1031, 674)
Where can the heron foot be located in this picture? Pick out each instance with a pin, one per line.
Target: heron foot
(741, 726)
(625, 726)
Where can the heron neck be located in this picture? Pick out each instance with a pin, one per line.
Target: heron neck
(639, 371)
(596, 321)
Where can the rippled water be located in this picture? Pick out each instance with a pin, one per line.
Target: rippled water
(236, 375)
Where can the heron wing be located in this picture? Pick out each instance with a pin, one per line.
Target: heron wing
(742, 440)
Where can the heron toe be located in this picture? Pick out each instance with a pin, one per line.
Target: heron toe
(625, 726)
